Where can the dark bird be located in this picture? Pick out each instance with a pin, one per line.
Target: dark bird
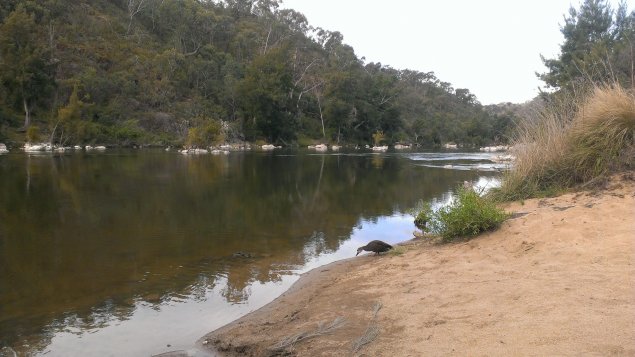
(376, 246)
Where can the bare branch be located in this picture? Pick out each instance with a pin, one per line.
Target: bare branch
(134, 7)
(305, 70)
(264, 50)
(321, 330)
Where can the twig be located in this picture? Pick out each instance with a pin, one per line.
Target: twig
(376, 307)
(321, 330)
(369, 336)
(372, 331)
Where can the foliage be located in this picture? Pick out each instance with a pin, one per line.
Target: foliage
(33, 134)
(422, 216)
(597, 47)
(26, 67)
(204, 135)
(468, 215)
(151, 68)
(265, 96)
(125, 133)
(571, 143)
(378, 137)
(584, 130)
(69, 119)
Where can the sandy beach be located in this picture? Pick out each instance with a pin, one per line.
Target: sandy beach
(556, 279)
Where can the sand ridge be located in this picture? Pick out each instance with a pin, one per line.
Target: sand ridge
(558, 279)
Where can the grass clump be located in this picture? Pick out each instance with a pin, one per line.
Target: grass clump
(397, 250)
(574, 141)
(468, 215)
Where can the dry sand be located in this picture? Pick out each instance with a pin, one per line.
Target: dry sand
(559, 279)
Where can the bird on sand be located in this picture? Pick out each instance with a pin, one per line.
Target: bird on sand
(376, 246)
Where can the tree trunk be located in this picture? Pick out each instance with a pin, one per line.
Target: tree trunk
(322, 117)
(52, 138)
(27, 114)
(264, 50)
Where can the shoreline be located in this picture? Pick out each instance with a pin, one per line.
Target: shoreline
(546, 282)
(309, 283)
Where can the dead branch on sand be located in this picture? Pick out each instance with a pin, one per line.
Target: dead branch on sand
(369, 336)
(321, 330)
(376, 307)
(372, 331)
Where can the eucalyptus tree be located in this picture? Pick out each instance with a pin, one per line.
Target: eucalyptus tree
(597, 44)
(264, 97)
(26, 67)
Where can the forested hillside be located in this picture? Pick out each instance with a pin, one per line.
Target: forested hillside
(199, 72)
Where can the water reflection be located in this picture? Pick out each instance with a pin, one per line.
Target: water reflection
(105, 254)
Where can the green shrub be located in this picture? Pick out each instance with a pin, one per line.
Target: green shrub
(33, 134)
(378, 137)
(304, 141)
(208, 133)
(468, 215)
(423, 216)
(127, 133)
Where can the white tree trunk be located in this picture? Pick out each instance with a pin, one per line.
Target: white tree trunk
(27, 114)
(134, 7)
(321, 117)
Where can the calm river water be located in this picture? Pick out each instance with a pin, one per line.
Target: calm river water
(132, 253)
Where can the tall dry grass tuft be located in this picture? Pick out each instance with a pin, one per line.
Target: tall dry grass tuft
(602, 136)
(574, 141)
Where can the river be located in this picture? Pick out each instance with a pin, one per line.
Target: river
(139, 252)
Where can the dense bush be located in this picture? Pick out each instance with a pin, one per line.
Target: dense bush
(204, 135)
(468, 215)
(422, 217)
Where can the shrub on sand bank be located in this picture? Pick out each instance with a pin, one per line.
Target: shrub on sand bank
(422, 216)
(577, 143)
(468, 215)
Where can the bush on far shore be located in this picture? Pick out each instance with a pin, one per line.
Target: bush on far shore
(574, 142)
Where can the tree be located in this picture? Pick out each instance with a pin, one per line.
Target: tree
(259, 69)
(593, 34)
(624, 51)
(134, 8)
(69, 117)
(265, 95)
(26, 67)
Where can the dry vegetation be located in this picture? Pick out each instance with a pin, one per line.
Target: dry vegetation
(322, 329)
(575, 141)
(371, 332)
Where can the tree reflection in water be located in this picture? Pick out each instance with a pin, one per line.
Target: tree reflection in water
(86, 238)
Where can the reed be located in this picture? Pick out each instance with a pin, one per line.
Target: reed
(575, 141)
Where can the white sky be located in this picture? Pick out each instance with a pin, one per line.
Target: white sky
(491, 47)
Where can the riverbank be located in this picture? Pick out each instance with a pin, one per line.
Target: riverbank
(557, 279)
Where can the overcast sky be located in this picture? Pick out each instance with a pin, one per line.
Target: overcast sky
(491, 47)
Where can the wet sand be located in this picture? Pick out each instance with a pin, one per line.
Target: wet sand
(558, 279)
